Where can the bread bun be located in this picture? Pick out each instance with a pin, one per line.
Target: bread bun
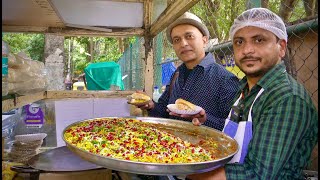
(139, 98)
(185, 105)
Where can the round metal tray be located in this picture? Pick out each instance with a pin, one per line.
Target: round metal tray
(184, 130)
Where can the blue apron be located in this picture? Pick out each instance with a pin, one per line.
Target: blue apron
(241, 132)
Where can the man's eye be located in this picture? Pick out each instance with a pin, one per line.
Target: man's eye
(259, 40)
(238, 42)
(189, 36)
(176, 40)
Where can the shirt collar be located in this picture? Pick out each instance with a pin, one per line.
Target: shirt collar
(272, 75)
(269, 78)
(207, 61)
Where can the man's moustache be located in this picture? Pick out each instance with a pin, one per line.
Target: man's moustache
(249, 58)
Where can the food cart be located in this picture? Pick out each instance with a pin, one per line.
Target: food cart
(144, 18)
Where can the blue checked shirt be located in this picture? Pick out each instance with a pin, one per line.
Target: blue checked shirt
(209, 85)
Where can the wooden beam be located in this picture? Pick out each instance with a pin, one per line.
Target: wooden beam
(23, 29)
(133, 1)
(48, 11)
(172, 12)
(24, 100)
(7, 105)
(147, 13)
(82, 32)
(20, 101)
(69, 31)
(89, 27)
(87, 94)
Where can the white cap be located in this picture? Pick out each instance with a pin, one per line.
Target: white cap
(187, 18)
(262, 18)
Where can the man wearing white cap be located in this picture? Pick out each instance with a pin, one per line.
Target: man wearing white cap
(200, 80)
(277, 124)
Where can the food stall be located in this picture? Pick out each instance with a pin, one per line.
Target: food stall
(60, 158)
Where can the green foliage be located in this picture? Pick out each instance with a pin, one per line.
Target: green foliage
(36, 47)
(218, 15)
(298, 12)
(132, 40)
(104, 49)
(31, 44)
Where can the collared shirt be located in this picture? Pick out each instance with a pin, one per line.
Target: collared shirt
(209, 85)
(285, 128)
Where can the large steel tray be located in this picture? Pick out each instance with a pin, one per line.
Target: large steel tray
(186, 131)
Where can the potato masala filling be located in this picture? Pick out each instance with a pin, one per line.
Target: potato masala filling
(134, 140)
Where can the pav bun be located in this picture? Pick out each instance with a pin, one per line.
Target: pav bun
(185, 105)
(139, 98)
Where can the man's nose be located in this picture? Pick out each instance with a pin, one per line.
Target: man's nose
(183, 42)
(248, 48)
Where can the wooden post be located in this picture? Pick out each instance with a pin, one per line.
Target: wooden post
(148, 44)
(149, 70)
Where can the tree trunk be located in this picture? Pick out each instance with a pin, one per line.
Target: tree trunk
(316, 7)
(310, 7)
(91, 48)
(121, 47)
(211, 9)
(233, 15)
(265, 3)
(87, 49)
(286, 9)
(96, 48)
(169, 2)
(71, 57)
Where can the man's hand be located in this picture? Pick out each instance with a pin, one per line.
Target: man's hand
(218, 174)
(197, 119)
(147, 106)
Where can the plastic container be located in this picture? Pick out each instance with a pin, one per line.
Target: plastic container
(5, 54)
(9, 122)
(68, 82)
(156, 94)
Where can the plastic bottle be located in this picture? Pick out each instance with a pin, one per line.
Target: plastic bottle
(68, 82)
(5, 54)
(156, 94)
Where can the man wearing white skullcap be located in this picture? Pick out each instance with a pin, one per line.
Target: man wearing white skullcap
(277, 124)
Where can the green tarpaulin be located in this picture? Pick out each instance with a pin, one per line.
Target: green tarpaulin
(103, 76)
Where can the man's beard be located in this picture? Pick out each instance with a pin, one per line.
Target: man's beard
(254, 74)
(258, 73)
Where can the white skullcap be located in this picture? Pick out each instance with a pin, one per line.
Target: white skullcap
(262, 18)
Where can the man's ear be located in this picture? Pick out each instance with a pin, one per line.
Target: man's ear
(205, 40)
(283, 47)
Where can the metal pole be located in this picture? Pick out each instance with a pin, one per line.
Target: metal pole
(131, 69)
(302, 27)
(69, 57)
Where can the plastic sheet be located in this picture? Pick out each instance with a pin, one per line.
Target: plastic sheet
(25, 75)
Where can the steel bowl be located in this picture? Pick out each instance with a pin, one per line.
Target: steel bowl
(186, 131)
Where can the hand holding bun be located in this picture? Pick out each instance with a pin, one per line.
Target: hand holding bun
(185, 105)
